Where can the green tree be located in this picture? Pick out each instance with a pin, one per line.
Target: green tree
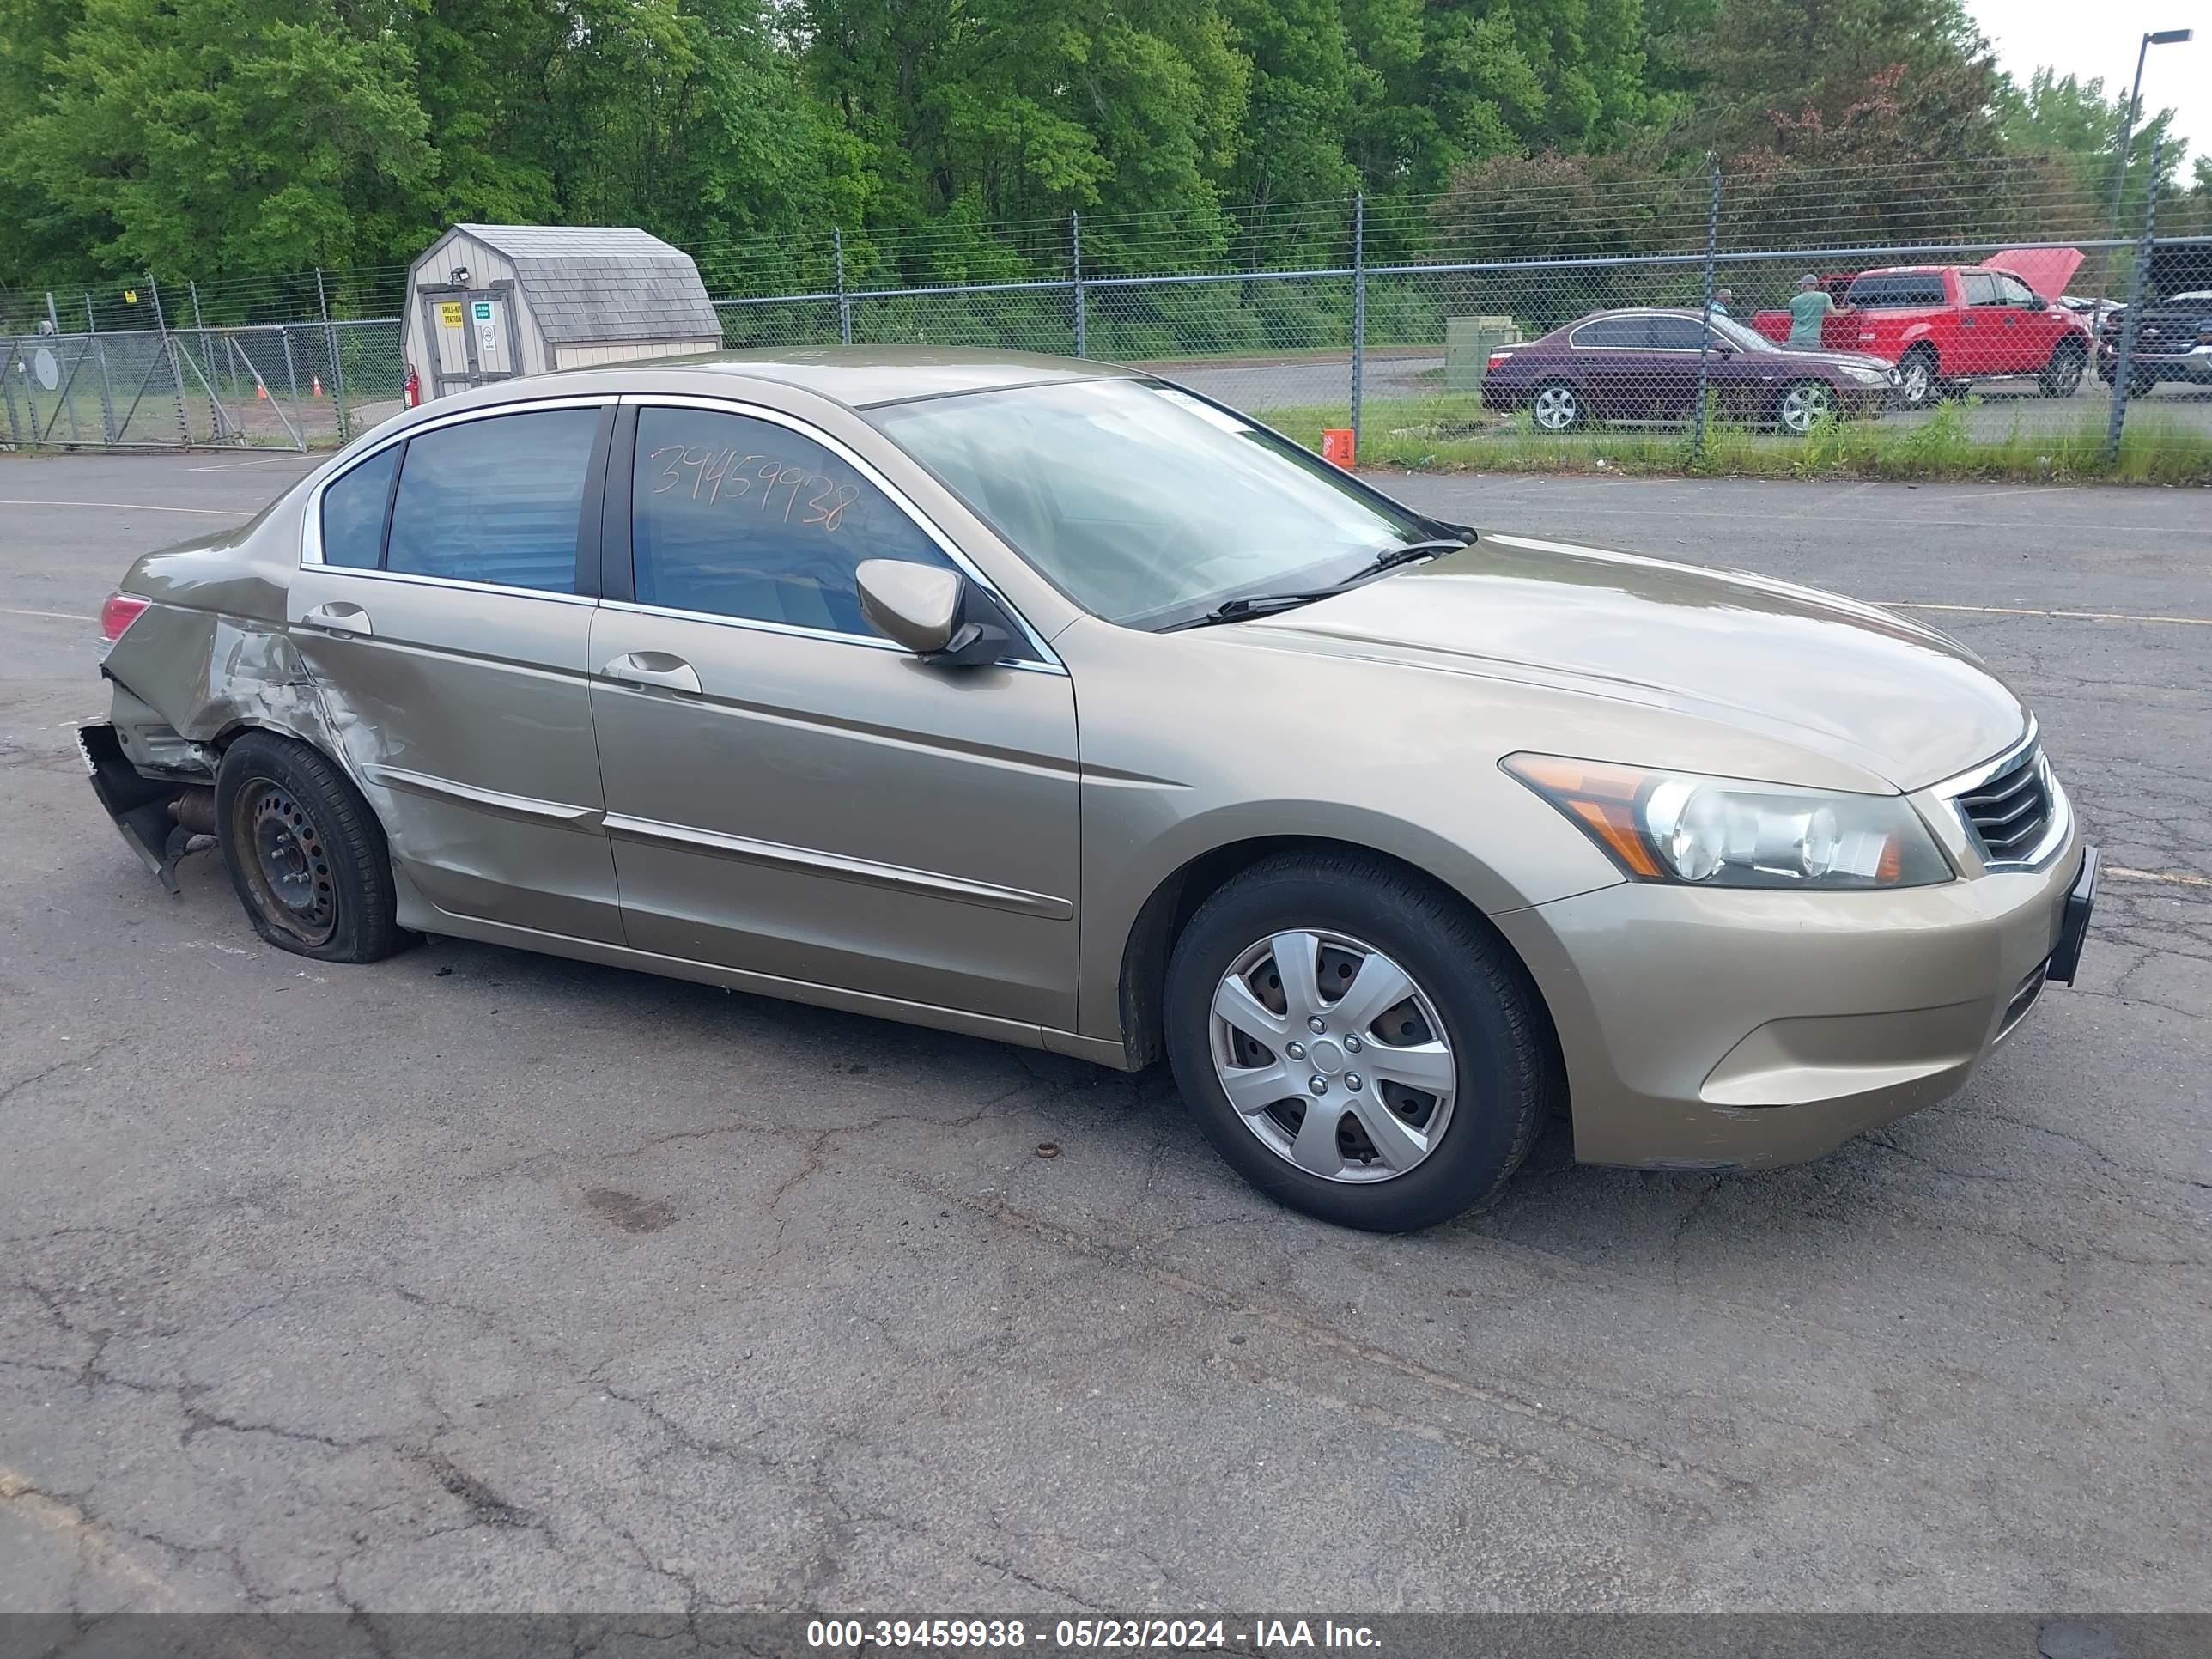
(224, 135)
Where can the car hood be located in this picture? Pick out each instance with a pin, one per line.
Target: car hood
(1845, 680)
(2045, 270)
(1836, 359)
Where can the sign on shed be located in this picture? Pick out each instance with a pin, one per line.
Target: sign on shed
(488, 301)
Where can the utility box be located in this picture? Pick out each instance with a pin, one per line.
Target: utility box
(487, 303)
(1468, 342)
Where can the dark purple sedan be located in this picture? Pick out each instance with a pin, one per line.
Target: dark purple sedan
(1642, 365)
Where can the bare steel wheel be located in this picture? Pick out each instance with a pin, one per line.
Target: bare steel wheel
(1333, 1056)
(304, 852)
(1806, 405)
(289, 868)
(1556, 406)
(1356, 1041)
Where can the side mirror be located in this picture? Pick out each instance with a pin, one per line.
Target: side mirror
(2037, 302)
(920, 606)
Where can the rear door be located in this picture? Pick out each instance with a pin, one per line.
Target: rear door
(790, 793)
(1612, 357)
(439, 606)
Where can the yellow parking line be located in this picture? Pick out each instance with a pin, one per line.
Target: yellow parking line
(2121, 872)
(2022, 610)
(53, 1514)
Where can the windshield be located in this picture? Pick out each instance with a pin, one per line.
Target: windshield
(1744, 339)
(1143, 504)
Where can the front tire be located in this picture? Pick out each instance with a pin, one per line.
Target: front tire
(1356, 1043)
(1804, 405)
(2062, 375)
(304, 852)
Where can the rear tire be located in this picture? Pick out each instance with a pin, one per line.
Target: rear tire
(1919, 384)
(1557, 406)
(2062, 375)
(1460, 1069)
(304, 852)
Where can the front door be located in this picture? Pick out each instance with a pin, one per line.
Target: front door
(438, 607)
(473, 336)
(787, 792)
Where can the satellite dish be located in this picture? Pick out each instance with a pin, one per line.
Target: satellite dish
(44, 366)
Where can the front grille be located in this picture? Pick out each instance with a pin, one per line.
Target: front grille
(2010, 812)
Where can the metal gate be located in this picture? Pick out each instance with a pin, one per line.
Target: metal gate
(278, 386)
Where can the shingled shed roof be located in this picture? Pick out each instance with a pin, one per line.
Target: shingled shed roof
(603, 283)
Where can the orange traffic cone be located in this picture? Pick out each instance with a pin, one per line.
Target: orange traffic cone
(318, 385)
(261, 391)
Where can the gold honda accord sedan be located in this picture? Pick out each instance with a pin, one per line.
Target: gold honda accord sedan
(1049, 701)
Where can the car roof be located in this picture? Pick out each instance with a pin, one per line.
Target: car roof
(861, 376)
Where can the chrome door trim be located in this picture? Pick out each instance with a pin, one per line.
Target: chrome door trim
(744, 849)
(1047, 658)
(311, 518)
(528, 809)
(798, 630)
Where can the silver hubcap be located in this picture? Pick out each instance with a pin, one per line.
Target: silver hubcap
(1332, 1056)
(1556, 409)
(1802, 406)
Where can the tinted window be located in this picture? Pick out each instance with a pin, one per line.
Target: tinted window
(1897, 290)
(1981, 287)
(352, 512)
(1611, 332)
(495, 501)
(1677, 334)
(742, 517)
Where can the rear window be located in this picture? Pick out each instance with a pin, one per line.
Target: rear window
(1894, 290)
(1612, 332)
(495, 501)
(352, 512)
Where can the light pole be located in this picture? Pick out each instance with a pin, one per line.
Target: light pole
(2162, 38)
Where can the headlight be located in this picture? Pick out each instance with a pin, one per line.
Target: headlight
(1869, 376)
(1723, 832)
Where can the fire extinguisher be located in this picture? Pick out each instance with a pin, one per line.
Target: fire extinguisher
(414, 388)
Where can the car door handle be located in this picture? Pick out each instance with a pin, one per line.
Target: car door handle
(654, 668)
(339, 617)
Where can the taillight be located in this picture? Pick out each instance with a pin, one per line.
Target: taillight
(116, 613)
(1498, 357)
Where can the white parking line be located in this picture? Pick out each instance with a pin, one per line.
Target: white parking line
(230, 512)
(2022, 610)
(292, 461)
(57, 615)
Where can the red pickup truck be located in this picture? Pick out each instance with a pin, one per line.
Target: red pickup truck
(1947, 325)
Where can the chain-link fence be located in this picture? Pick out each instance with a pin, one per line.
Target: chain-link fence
(1982, 316)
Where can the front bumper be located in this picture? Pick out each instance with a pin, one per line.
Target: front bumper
(1723, 1030)
(2194, 366)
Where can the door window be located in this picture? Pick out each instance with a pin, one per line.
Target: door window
(1610, 331)
(495, 501)
(1980, 287)
(738, 517)
(2013, 292)
(1677, 334)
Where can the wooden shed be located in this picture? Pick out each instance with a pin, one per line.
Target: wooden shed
(487, 302)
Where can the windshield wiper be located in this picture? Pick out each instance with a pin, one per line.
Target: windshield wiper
(1254, 604)
(1262, 605)
(1391, 557)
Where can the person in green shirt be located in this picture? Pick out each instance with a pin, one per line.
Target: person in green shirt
(1808, 308)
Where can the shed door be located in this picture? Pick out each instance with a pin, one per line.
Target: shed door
(473, 332)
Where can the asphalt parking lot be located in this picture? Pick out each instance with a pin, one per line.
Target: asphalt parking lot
(476, 1278)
